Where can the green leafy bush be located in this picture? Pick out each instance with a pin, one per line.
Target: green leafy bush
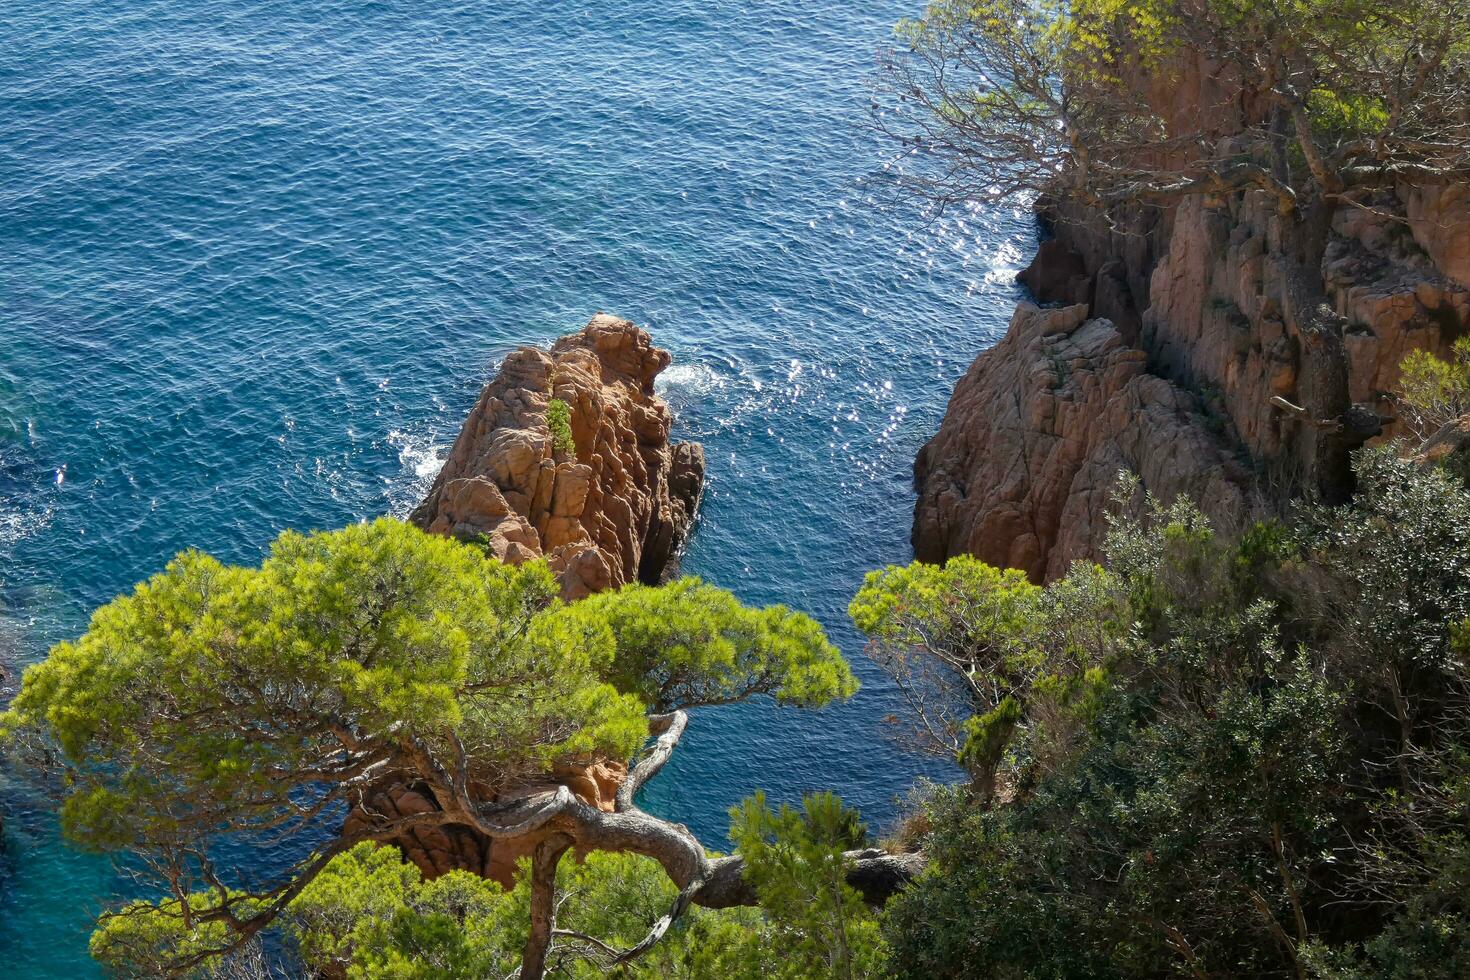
(1434, 392)
(1265, 773)
(559, 421)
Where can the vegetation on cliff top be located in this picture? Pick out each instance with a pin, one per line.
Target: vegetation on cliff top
(1076, 98)
(1238, 756)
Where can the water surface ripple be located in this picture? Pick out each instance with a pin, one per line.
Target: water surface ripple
(257, 257)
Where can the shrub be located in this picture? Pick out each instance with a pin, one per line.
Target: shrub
(559, 421)
(1265, 771)
(1434, 392)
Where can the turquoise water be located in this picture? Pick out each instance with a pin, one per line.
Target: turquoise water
(256, 259)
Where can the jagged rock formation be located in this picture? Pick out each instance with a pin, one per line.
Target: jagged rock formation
(614, 510)
(1036, 434)
(1256, 344)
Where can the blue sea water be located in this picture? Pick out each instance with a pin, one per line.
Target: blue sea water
(258, 256)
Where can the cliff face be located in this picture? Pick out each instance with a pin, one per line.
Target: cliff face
(1022, 470)
(613, 511)
(1202, 311)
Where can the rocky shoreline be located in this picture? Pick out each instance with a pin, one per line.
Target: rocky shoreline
(1213, 346)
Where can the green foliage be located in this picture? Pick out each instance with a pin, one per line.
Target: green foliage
(559, 421)
(371, 916)
(794, 858)
(1070, 98)
(688, 643)
(1434, 392)
(986, 738)
(1267, 772)
(147, 939)
(959, 640)
(219, 704)
(1348, 115)
(169, 710)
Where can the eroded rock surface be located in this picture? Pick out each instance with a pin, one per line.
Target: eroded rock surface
(1029, 453)
(1220, 309)
(614, 510)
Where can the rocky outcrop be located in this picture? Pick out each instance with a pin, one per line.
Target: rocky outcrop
(437, 850)
(1274, 338)
(1028, 456)
(612, 509)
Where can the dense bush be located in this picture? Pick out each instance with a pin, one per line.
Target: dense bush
(1434, 392)
(1258, 766)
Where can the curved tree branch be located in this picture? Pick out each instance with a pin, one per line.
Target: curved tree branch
(670, 729)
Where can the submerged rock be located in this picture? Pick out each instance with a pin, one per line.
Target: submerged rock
(613, 509)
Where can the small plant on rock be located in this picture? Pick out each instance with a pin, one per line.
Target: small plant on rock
(559, 421)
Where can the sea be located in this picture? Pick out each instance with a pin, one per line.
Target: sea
(257, 257)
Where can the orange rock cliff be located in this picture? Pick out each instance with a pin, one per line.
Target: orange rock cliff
(1170, 331)
(613, 510)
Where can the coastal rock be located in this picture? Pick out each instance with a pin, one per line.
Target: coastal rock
(1275, 341)
(614, 509)
(1439, 217)
(1057, 274)
(1036, 434)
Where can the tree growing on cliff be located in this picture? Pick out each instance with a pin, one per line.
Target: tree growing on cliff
(1077, 98)
(969, 646)
(1434, 392)
(217, 707)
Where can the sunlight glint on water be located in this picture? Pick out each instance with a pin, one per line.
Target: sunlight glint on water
(259, 256)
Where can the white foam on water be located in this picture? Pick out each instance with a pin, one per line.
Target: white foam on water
(18, 524)
(421, 458)
(688, 381)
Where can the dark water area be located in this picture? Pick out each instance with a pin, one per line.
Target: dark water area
(257, 259)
